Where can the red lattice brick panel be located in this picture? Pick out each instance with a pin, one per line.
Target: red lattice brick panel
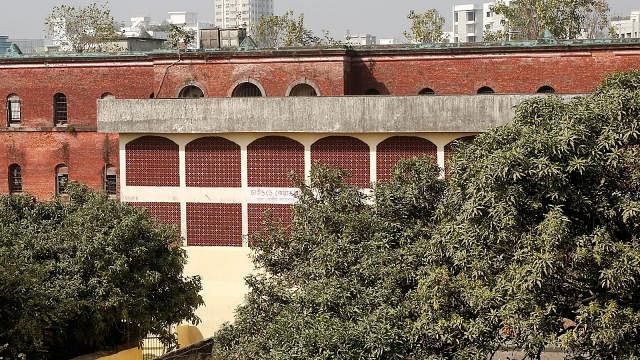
(152, 161)
(166, 212)
(214, 224)
(213, 162)
(396, 148)
(280, 213)
(271, 159)
(449, 149)
(344, 152)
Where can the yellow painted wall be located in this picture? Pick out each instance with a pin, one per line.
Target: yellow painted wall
(131, 354)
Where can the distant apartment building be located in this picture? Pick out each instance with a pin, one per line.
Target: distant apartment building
(360, 40)
(4, 44)
(388, 41)
(467, 23)
(234, 13)
(470, 21)
(628, 26)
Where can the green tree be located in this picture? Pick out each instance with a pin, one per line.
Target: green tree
(426, 27)
(82, 28)
(180, 37)
(337, 286)
(538, 241)
(283, 31)
(564, 19)
(86, 274)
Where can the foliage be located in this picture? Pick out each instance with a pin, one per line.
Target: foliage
(337, 286)
(82, 28)
(86, 273)
(426, 27)
(538, 237)
(286, 31)
(564, 19)
(179, 37)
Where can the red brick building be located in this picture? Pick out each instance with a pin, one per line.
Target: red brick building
(212, 165)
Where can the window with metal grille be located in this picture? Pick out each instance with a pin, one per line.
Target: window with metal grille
(59, 109)
(247, 89)
(485, 90)
(191, 92)
(110, 180)
(15, 179)
(14, 110)
(62, 179)
(546, 90)
(303, 90)
(427, 91)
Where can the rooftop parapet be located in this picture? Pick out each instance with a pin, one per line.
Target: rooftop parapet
(345, 114)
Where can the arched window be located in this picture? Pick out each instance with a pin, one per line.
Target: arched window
(427, 91)
(546, 90)
(59, 109)
(485, 90)
(272, 159)
(213, 162)
(152, 161)
(347, 153)
(372, 92)
(247, 89)
(14, 110)
(110, 180)
(15, 179)
(62, 178)
(107, 96)
(396, 148)
(303, 90)
(191, 92)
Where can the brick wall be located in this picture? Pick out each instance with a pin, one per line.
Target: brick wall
(166, 212)
(347, 153)
(213, 162)
(271, 159)
(152, 161)
(393, 149)
(214, 224)
(38, 153)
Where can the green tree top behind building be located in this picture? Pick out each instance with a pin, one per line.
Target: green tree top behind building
(563, 19)
(426, 27)
(85, 28)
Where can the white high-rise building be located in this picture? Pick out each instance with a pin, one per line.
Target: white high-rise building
(627, 27)
(467, 23)
(244, 13)
(470, 21)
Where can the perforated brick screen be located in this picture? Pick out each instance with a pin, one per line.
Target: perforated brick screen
(165, 212)
(347, 153)
(152, 161)
(213, 162)
(271, 159)
(214, 224)
(449, 149)
(396, 148)
(282, 213)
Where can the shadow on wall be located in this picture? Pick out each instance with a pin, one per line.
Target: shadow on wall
(365, 82)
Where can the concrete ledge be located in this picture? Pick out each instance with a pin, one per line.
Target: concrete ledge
(345, 114)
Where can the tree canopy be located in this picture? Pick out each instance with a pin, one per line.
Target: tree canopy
(287, 31)
(564, 19)
(537, 243)
(83, 28)
(532, 243)
(337, 286)
(87, 273)
(426, 27)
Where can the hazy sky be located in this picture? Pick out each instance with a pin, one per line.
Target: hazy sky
(384, 18)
